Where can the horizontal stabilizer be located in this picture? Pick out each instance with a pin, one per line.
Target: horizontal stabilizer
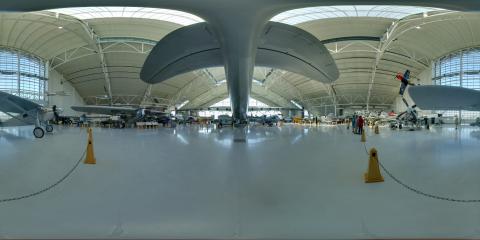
(183, 50)
(281, 46)
(293, 49)
(445, 98)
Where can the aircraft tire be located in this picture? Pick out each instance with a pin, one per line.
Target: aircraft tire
(38, 132)
(49, 128)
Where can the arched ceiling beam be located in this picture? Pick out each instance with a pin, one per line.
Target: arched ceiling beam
(188, 87)
(397, 29)
(134, 45)
(350, 38)
(384, 60)
(94, 38)
(276, 99)
(85, 51)
(277, 77)
(209, 97)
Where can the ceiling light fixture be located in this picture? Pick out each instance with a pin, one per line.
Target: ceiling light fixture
(296, 104)
(183, 104)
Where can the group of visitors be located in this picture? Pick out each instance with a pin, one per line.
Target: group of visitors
(357, 124)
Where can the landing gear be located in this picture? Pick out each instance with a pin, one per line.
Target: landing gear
(49, 128)
(38, 132)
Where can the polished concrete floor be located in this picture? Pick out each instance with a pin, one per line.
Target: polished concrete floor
(192, 182)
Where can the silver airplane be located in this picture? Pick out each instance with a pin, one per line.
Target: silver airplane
(129, 112)
(26, 112)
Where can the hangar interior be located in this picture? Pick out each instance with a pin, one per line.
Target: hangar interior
(300, 177)
(92, 53)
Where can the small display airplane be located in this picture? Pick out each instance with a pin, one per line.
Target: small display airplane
(410, 116)
(391, 114)
(405, 81)
(26, 112)
(128, 113)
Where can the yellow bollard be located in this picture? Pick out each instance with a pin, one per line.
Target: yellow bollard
(90, 157)
(373, 174)
(377, 130)
(364, 138)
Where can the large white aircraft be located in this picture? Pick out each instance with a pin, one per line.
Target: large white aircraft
(434, 97)
(26, 112)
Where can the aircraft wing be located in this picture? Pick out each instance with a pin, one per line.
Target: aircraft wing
(183, 50)
(106, 110)
(13, 122)
(156, 112)
(290, 48)
(13, 104)
(445, 98)
(281, 46)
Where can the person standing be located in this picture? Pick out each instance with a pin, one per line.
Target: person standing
(360, 125)
(456, 122)
(427, 124)
(356, 124)
(354, 118)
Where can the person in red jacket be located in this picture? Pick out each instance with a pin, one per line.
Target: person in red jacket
(360, 124)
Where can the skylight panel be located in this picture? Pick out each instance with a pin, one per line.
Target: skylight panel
(168, 15)
(297, 16)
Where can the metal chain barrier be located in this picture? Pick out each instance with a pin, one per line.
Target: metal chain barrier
(366, 149)
(49, 187)
(408, 187)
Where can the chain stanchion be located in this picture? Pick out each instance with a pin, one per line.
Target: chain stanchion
(47, 188)
(410, 188)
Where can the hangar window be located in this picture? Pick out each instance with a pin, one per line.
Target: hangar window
(301, 15)
(23, 75)
(173, 16)
(258, 109)
(251, 103)
(460, 69)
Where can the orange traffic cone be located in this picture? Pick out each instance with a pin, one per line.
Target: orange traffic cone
(90, 156)
(373, 174)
